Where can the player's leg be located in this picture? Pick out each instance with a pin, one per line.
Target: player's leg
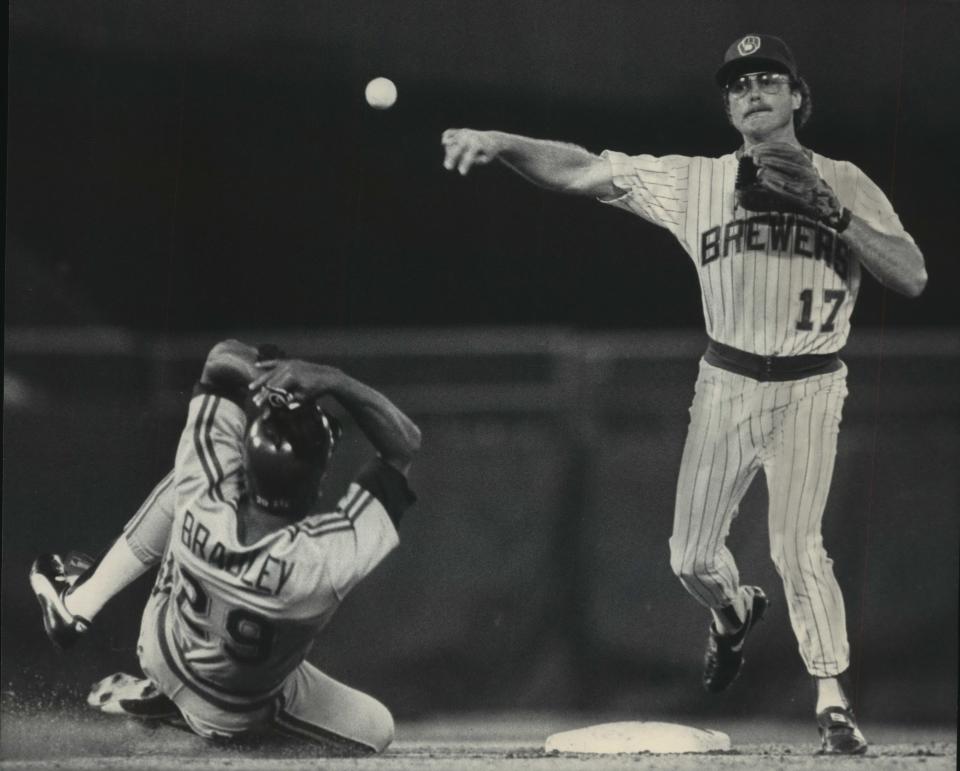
(70, 603)
(163, 690)
(799, 474)
(140, 547)
(317, 707)
(311, 705)
(720, 459)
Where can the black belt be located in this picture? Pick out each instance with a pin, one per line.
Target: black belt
(767, 368)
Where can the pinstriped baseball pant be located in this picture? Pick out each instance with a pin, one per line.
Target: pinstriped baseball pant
(789, 429)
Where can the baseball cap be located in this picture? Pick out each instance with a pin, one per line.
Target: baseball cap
(746, 52)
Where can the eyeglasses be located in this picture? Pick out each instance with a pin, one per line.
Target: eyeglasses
(767, 82)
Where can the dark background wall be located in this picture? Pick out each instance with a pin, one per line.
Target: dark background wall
(179, 171)
(177, 165)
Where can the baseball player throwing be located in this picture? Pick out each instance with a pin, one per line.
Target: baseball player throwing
(251, 568)
(778, 235)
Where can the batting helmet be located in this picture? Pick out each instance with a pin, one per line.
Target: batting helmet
(286, 450)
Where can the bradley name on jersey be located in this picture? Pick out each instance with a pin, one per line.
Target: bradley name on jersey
(257, 571)
(776, 232)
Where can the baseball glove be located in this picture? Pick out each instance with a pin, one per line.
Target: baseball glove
(777, 176)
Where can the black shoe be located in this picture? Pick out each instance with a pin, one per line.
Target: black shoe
(839, 734)
(138, 697)
(50, 584)
(724, 657)
(78, 567)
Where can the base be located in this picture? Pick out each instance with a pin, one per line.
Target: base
(635, 736)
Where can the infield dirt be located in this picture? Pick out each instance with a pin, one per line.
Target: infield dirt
(40, 736)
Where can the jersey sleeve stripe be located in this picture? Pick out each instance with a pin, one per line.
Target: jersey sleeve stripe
(340, 519)
(201, 427)
(216, 492)
(198, 443)
(327, 531)
(359, 505)
(359, 502)
(319, 520)
(331, 522)
(352, 501)
(341, 522)
(326, 523)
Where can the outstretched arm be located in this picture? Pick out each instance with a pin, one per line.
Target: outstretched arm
(557, 166)
(394, 435)
(894, 261)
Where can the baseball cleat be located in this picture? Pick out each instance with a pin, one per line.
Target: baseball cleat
(50, 583)
(139, 697)
(839, 734)
(75, 565)
(724, 657)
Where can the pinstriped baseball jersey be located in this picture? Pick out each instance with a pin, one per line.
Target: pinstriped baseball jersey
(241, 617)
(772, 283)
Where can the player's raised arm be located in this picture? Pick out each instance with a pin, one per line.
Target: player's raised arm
(394, 435)
(230, 365)
(557, 166)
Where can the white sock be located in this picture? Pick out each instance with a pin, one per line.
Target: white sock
(829, 694)
(118, 569)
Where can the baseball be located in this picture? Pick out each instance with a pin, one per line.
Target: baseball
(381, 93)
